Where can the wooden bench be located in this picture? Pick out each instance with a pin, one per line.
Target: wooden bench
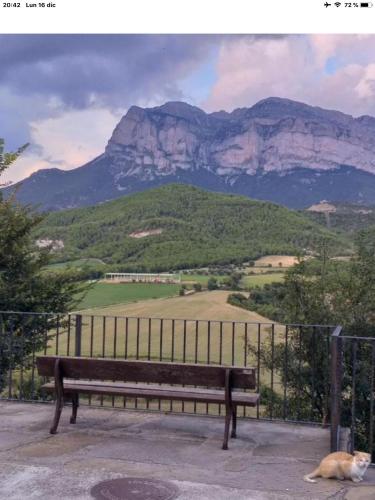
(133, 379)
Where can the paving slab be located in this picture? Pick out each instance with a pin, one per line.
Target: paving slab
(266, 462)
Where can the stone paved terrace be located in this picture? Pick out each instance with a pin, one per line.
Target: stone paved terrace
(267, 460)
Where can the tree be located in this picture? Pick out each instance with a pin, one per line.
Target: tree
(323, 291)
(212, 283)
(233, 280)
(25, 285)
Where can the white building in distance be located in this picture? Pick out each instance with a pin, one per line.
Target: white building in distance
(142, 278)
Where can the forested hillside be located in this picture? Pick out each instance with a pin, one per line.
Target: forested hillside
(180, 226)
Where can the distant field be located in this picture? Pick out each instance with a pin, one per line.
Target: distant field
(104, 294)
(275, 260)
(200, 278)
(206, 306)
(262, 279)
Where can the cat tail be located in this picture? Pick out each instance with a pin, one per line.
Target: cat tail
(309, 477)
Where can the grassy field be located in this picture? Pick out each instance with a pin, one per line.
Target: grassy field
(261, 279)
(128, 330)
(200, 278)
(104, 294)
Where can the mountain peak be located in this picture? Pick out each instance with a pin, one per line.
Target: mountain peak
(279, 150)
(180, 109)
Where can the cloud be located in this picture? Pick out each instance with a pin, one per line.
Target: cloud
(67, 141)
(296, 67)
(51, 77)
(111, 70)
(64, 93)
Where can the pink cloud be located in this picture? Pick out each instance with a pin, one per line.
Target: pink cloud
(252, 69)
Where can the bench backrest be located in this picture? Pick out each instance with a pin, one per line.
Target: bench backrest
(146, 371)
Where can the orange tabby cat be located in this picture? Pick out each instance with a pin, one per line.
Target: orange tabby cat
(341, 465)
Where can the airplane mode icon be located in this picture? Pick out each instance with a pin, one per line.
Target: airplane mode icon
(327, 4)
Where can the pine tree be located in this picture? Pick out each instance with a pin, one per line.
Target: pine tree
(25, 286)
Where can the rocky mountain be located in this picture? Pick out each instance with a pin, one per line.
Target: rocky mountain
(278, 150)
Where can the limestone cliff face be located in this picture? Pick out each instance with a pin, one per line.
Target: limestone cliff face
(277, 150)
(275, 135)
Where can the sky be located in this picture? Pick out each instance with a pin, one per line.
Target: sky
(64, 94)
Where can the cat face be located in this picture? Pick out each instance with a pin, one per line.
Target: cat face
(362, 459)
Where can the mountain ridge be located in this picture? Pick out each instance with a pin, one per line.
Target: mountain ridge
(278, 150)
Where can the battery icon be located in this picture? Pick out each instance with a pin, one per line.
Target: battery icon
(366, 4)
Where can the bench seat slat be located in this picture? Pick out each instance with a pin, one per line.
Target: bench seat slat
(156, 372)
(153, 391)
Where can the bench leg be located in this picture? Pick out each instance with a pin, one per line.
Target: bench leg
(75, 405)
(234, 422)
(228, 416)
(56, 418)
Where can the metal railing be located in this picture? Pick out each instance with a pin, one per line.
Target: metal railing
(305, 373)
(353, 367)
(292, 361)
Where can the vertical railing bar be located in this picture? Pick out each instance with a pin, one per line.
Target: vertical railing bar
(78, 335)
(137, 339)
(172, 355)
(328, 403)
(148, 352)
(115, 338)
(184, 344)
(33, 370)
(126, 348)
(208, 341)
(221, 344)
(233, 334)
(22, 350)
(258, 368)
(208, 350)
(103, 348)
(161, 340)
(137, 354)
(173, 334)
(272, 367)
(91, 336)
(299, 390)
(104, 328)
(184, 356)
(371, 431)
(285, 405)
(114, 348)
(45, 335)
(335, 380)
(92, 318)
(126, 337)
(245, 359)
(354, 369)
(68, 340)
(313, 373)
(10, 371)
(57, 336)
(196, 354)
(149, 341)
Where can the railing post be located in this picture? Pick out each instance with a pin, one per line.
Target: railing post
(336, 382)
(78, 335)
